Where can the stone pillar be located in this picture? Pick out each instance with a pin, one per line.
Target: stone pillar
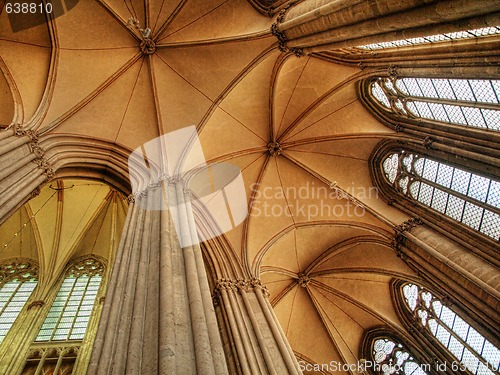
(322, 25)
(254, 332)
(23, 168)
(158, 315)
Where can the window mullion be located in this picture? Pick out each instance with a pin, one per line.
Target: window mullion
(458, 103)
(458, 338)
(467, 198)
(79, 307)
(475, 98)
(63, 310)
(494, 91)
(11, 297)
(438, 313)
(421, 178)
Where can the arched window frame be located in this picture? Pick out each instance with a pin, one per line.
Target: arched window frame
(64, 355)
(409, 345)
(20, 269)
(449, 133)
(467, 54)
(422, 335)
(472, 239)
(77, 268)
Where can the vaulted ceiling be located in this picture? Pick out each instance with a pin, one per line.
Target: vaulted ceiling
(67, 220)
(294, 127)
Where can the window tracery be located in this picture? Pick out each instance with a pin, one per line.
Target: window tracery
(70, 312)
(18, 279)
(466, 344)
(391, 357)
(464, 102)
(464, 196)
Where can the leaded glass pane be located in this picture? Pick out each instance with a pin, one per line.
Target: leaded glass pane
(485, 31)
(70, 313)
(463, 196)
(439, 200)
(463, 341)
(19, 281)
(380, 95)
(464, 102)
(425, 194)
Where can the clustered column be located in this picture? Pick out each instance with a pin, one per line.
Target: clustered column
(254, 331)
(158, 316)
(21, 180)
(322, 25)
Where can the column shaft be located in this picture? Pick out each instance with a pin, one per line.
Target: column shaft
(155, 319)
(315, 26)
(23, 169)
(261, 346)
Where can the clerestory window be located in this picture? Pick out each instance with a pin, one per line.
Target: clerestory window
(463, 102)
(467, 34)
(17, 280)
(70, 312)
(461, 195)
(467, 345)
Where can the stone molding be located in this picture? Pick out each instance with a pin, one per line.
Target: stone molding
(399, 230)
(171, 181)
(88, 265)
(18, 269)
(238, 286)
(280, 35)
(35, 148)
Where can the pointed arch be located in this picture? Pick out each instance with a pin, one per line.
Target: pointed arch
(18, 279)
(72, 308)
(446, 329)
(387, 352)
(453, 194)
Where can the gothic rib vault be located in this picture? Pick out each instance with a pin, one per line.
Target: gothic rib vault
(289, 123)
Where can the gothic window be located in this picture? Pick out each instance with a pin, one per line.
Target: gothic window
(464, 102)
(470, 348)
(70, 312)
(435, 38)
(464, 196)
(390, 357)
(17, 280)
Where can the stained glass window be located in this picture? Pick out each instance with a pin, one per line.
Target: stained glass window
(391, 358)
(435, 38)
(17, 280)
(465, 102)
(469, 198)
(70, 312)
(474, 352)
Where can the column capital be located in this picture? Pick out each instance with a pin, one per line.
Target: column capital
(280, 34)
(407, 225)
(399, 238)
(35, 148)
(239, 285)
